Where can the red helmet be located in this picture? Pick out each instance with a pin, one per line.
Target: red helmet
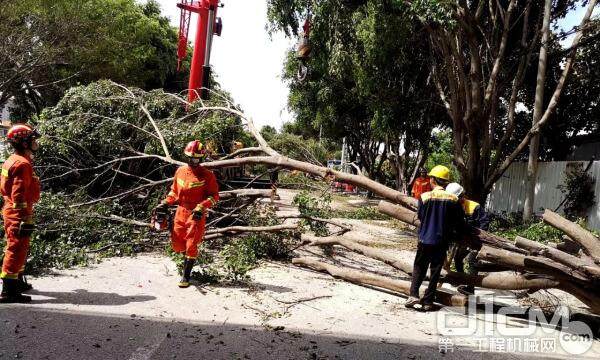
(21, 133)
(195, 149)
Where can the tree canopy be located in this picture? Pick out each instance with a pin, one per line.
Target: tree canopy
(48, 46)
(368, 83)
(478, 59)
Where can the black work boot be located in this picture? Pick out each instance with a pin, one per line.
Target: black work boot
(466, 289)
(187, 272)
(10, 292)
(23, 285)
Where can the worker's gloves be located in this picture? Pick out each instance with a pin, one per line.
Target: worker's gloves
(25, 229)
(198, 212)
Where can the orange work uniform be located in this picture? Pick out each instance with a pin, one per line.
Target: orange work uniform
(420, 186)
(192, 186)
(20, 189)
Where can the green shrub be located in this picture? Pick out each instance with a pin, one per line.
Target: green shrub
(535, 231)
(312, 206)
(361, 213)
(65, 235)
(578, 191)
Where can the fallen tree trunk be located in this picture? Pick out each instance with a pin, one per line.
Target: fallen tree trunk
(443, 296)
(536, 248)
(501, 281)
(527, 263)
(569, 280)
(367, 251)
(587, 240)
(399, 212)
(320, 171)
(225, 195)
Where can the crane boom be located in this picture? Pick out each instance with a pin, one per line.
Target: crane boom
(208, 25)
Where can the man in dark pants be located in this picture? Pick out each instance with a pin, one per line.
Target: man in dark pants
(476, 217)
(441, 216)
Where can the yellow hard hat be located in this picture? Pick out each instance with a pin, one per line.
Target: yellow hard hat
(440, 172)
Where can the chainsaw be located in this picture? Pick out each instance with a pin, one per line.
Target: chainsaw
(162, 219)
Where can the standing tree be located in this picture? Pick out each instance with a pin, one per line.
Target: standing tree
(48, 46)
(481, 52)
(369, 83)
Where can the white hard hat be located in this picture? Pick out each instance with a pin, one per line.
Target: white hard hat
(455, 189)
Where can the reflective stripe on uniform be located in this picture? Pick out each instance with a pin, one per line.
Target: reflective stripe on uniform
(212, 200)
(196, 184)
(4, 172)
(438, 194)
(4, 275)
(181, 182)
(20, 205)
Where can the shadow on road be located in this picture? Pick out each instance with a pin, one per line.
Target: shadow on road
(84, 297)
(34, 333)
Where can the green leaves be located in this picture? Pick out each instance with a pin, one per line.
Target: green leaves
(65, 235)
(83, 41)
(579, 193)
(312, 206)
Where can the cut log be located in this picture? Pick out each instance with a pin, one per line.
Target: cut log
(443, 296)
(536, 248)
(571, 283)
(530, 264)
(385, 257)
(223, 195)
(587, 240)
(501, 281)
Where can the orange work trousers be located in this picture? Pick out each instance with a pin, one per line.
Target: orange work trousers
(15, 252)
(187, 233)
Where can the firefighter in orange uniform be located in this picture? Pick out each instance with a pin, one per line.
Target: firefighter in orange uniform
(421, 184)
(20, 189)
(194, 190)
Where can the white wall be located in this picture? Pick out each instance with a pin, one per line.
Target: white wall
(509, 192)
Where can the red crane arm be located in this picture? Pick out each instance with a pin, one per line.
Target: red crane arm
(207, 27)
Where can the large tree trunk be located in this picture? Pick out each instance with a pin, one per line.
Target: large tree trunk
(502, 281)
(534, 145)
(366, 278)
(535, 248)
(569, 281)
(320, 171)
(589, 242)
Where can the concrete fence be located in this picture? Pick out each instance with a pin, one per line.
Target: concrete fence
(508, 194)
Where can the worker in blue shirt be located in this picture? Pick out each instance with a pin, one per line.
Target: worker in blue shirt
(441, 218)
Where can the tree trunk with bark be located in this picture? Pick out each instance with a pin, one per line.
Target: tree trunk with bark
(442, 296)
(534, 146)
